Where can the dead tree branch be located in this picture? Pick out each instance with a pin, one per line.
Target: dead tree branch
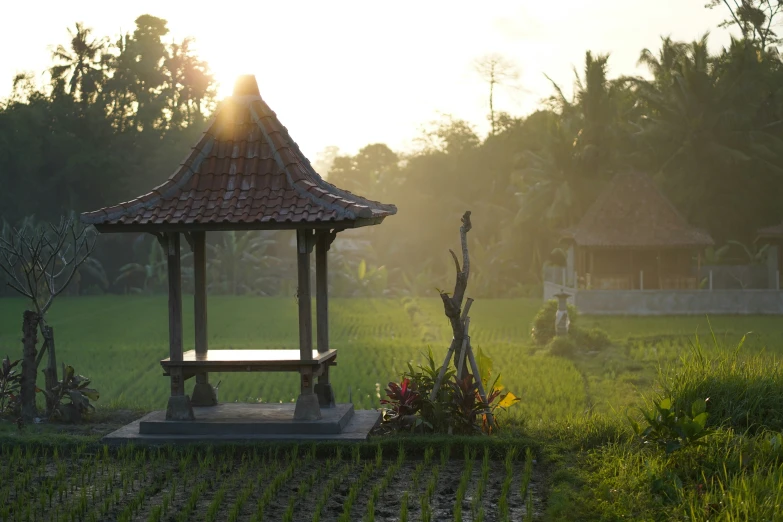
(41, 262)
(452, 304)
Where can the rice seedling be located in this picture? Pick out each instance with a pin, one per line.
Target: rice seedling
(328, 489)
(463, 483)
(404, 508)
(356, 487)
(476, 507)
(508, 465)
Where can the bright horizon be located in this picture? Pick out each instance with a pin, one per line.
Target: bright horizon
(351, 73)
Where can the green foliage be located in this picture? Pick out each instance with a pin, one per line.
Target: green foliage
(543, 327)
(592, 339)
(562, 346)
(10, 380)
(434, 413)
(713, 467)
(73, 389)
(745, 391)
(673, 429)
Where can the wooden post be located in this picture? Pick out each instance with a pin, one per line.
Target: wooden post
(303, 247)
(203, 393)
(321, 291)
(307, 406)
(179, 404)
(324, 388)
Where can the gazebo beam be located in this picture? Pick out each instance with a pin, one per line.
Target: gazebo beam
(179, 404)
(307, 407)
(203, 393)
(323, 240)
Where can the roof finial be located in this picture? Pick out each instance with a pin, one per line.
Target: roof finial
(246, 86)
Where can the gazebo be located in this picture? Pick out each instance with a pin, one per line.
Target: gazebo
(633, 238)
(245, 173)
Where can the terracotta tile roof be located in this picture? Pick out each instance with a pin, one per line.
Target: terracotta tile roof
(244, 170)
(633, 213)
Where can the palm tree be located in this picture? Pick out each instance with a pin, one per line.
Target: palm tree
(190, 82)
(705, 137)
(78, 70)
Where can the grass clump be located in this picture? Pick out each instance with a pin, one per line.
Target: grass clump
(733, 472)
(543, 328)
(563, 346)
(745, 393)
(592, 340)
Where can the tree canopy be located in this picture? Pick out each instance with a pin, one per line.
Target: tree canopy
(118, 112)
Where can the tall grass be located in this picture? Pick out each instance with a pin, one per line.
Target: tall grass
(736, 474)
(745, 391)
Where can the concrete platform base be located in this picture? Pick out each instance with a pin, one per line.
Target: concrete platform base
(235, 422)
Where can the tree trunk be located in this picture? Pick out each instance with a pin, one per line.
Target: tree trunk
(29, 367)
(50, 372)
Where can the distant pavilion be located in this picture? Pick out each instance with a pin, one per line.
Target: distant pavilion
(245, 173)
(633, 238)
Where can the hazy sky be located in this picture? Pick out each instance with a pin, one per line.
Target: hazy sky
(349, 73)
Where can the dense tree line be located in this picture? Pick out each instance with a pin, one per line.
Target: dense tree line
(706, 126)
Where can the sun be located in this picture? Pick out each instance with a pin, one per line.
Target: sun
(225, 68)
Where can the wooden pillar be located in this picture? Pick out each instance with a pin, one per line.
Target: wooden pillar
(321, 291)
(203, 393)
(307, 407)
(304, 247)
(179, 403)
(324, 388)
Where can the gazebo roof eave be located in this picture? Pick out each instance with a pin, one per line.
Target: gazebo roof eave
(227, 227)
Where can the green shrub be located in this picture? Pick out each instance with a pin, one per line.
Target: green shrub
(543, 328)
(562, 346)
(594, 339)
(745, 392)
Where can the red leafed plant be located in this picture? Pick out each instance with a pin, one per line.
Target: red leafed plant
(404, 398)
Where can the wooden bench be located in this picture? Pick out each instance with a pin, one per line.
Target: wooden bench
(248, 361)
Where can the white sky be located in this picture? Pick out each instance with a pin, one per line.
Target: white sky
(349, 73)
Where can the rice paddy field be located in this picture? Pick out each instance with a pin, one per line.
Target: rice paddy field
(118, 342)
(298, 483)
(564, 452)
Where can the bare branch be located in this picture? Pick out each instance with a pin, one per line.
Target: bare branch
(456, 262)
(48, 256)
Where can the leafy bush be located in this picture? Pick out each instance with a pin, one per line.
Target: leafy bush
(673, 428)
(594, 339)
(73, 389)
(457, 407)
(543, 328)
(404, 400)
(434, 413)
(466, 405)
(562, 346)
